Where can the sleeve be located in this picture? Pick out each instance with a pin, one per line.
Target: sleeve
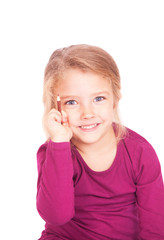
(150, 194)
(55, 188)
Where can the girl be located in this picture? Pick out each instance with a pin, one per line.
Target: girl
(97, 179)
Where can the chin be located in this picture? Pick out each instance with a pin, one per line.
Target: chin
(86, 140)
(92, 136)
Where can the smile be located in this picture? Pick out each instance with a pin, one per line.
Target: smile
(89, 127)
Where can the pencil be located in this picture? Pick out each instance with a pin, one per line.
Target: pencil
(58, 103)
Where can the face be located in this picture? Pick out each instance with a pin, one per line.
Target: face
(87, 99)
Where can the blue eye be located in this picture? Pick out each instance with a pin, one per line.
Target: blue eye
(98, 99)
(71, 102)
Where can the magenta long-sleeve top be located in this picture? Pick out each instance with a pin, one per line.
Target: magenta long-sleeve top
(124, 202)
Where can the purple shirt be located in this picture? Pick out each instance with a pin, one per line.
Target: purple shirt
(125, 202)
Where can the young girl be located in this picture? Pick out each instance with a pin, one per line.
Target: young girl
(97, 179)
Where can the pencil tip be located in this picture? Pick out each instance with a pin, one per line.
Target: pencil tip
(58, 97)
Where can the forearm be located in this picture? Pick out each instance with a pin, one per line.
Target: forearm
(55, 197)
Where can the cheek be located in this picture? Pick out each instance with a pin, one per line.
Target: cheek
(107, 111)
(108, 116)
(72, 118)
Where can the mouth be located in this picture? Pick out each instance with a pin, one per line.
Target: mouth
(89, 127)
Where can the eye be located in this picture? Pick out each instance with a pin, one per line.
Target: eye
(99, 98)
(71, 102)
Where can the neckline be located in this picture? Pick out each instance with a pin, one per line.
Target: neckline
(90, 170)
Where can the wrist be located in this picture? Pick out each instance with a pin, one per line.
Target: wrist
(59, 139)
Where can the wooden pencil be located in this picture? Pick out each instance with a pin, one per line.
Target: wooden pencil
(58, 103)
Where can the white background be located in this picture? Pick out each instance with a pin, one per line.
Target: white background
(131, 31)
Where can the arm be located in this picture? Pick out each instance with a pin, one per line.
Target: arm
(55, 196)
(150, 194)
(55, 191)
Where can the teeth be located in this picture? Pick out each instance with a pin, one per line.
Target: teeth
(89, 127)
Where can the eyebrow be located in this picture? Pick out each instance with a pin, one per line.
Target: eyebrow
(102, 92)
(96, 93)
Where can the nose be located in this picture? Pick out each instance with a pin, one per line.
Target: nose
(87, 112)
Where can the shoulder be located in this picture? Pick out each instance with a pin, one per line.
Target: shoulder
(136, 142)
(142, 155)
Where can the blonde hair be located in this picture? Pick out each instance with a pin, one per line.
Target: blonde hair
(85, 58)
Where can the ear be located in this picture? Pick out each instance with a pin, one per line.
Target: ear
(117, 99)
(115, 104)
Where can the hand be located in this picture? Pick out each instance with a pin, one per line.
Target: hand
(57, 126)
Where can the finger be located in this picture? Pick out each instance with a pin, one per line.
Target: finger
(54, 116)
(53, 110)
(64, 117)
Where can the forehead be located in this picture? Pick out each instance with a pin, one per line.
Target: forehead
(77, 81)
